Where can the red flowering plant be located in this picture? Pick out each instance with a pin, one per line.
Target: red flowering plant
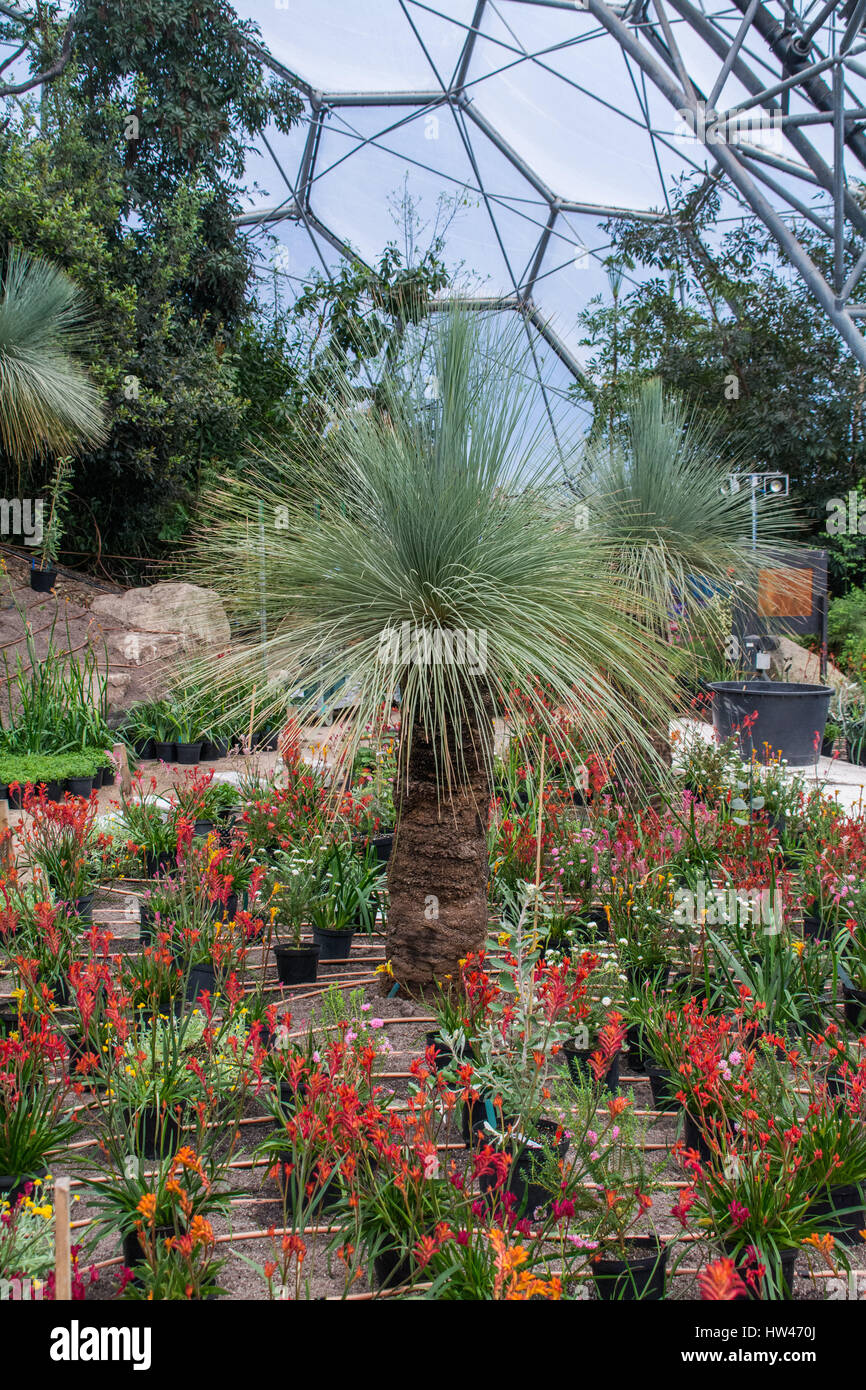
(34, 1090)
(768, 1188)
(710, 1058)
(326, 1113)
(409, 1216)
(277, 816)
(62, 842)
(43, 951)
(532, 1007)
(759, 1202)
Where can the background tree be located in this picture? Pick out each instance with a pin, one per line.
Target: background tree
(719, 316)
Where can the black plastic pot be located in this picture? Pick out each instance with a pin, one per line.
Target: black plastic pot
(144, 748)
(333, 945)
(296, 965)
(639, 976)
(664, 1088)
(580, 1070)
(201, 980)
(474, 1114)
(443, 1053)
(131, 1245)
(42, 580)
(214, 749)
(855, 1005)
(203, 828)
(11, 1188)
(846, 1208)
(523, 1173)
(54, 790)
(694, 1138)
(9, 1020)
(784, 1274)
(383, 845)
(98, 778)
(84, 906)
(158, 863)
(392, 1268)
(638, 1060)
(4, 791)
(109, 776)
(790, 717)
(817, 929)
(639, 1277)
(187, 753)
(152, 1134)
(80, 786)
(163, 752)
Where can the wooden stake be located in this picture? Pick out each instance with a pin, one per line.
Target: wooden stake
(7, 857)
(538, 835)
(252, 716)
(62, 1257)
(120, 755)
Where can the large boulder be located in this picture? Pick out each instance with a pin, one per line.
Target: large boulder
(800, 666)
(163, 619)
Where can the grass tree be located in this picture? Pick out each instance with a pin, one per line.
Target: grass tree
(47, 402)
(428, 546)
(659, 493)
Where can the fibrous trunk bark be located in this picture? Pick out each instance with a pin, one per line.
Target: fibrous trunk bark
(437, 873)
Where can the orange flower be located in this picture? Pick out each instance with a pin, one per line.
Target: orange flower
(720, 1282)
(201, 1231)
(147, 1206)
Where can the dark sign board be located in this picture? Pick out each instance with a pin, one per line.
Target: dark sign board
(789, 599)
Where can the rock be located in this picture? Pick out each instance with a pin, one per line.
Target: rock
(141, 648)
(795, 664)
(194, 616)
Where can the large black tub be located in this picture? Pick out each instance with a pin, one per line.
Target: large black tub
(790, 718)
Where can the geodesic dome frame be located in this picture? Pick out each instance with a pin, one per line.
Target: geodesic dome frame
(771, 95)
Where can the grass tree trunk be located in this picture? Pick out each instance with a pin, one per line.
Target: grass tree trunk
(437, 873)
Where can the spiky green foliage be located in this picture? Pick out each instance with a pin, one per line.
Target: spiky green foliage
(659, 495)
(47, 402)
(446, 514)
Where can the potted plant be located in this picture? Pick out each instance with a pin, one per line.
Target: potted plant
(347, 900)
(627, 1264)
(291, 885)
(62, 843)
(43, 575)
(183, 724)
(149, 823)
(34, 1106)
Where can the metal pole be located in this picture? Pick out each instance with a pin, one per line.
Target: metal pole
(263, 590)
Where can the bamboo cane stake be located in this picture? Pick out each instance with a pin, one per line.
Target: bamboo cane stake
(62, 1253)
(538, 837)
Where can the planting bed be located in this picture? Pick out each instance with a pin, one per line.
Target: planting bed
(316, 1140)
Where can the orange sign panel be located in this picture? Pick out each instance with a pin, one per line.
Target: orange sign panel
(785, 593)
